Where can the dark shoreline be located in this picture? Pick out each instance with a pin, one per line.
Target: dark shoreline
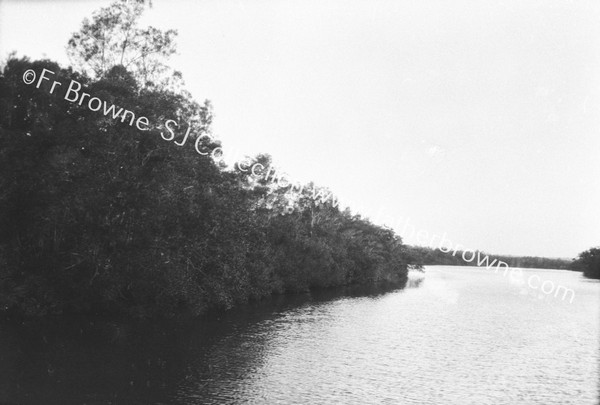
(287, 299)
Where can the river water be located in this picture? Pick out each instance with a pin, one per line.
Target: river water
(463, 335)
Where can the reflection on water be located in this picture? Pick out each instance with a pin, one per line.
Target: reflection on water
(461, 336)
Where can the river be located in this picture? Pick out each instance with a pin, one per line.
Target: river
(463, 335)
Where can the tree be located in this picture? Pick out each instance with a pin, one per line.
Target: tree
(113, 38)
(99, 217)
(589, 263)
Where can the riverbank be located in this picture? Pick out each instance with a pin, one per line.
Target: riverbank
(13, 316)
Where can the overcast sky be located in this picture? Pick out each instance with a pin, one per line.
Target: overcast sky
(477, 119)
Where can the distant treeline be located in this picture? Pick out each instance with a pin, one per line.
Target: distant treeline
(587, 262)
(430, 256)
(98, 216)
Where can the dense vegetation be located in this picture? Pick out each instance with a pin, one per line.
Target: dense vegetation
(588, 262)
(98, 216)
(430, 256)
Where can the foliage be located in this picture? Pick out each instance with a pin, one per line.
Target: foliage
(113, 38)
(588, 262)
(97, 216)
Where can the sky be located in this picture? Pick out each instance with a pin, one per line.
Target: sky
(476, 120)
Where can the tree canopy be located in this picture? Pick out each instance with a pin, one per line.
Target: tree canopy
(113, 37)
(588, 262)
(98, 216)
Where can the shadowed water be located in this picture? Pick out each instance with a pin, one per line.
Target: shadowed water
(462, 336)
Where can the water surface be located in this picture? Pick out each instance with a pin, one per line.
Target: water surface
(463, 336)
